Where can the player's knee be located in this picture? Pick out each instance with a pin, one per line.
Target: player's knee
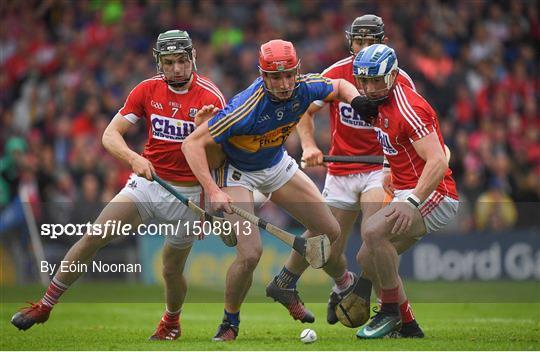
(333, 231)
(249, 261)
(171, 274)
(371, 235)
(328, 226)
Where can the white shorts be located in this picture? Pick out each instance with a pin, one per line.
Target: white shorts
(265, 181)
(156, 203)
(437, 210)
(344, 192)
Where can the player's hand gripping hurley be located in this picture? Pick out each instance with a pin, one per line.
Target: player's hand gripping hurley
(228, 237)
(315, 250)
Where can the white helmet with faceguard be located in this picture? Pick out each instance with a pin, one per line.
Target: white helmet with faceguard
(377, 62)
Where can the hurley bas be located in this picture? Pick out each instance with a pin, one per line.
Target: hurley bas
(94, 266)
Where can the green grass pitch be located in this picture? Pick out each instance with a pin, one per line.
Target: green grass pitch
(265, 326)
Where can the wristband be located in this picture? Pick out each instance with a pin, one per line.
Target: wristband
(359, 102)
(414, 200)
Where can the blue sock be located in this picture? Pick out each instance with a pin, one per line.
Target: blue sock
(233, 318)
(286, 279)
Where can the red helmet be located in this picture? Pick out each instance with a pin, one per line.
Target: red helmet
(277, 56)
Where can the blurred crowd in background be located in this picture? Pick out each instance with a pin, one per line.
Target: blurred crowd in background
(68, 66)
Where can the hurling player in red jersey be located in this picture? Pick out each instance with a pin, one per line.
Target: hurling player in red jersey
(349, 188)
(425, 193)
(169, 103)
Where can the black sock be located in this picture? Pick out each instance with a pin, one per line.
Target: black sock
(390, 308)
(363, 288)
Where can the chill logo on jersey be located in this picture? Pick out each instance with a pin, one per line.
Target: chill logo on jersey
(172, 130)
(384, 140)
(270, 139)
(351, 118)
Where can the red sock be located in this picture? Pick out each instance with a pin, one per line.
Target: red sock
(390, 295)
(53, 293)
(171, 318)
(344, 282)
(406, 312)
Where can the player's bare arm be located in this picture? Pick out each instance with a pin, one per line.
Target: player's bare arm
(194, 150)
(429, 148)
(115, 144)
(343, 91)
(311, 154)
(214, 153)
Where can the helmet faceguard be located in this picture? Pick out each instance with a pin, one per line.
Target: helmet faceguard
(373, 66)
(175, 42)
(279, 67)
(366, 27)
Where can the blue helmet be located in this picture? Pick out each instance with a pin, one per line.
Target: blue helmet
(377, 60)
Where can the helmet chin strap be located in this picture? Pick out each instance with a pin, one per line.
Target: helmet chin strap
(179, 84)
(273, 97)
(378, 101)
(272, 92)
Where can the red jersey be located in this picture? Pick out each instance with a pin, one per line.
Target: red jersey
(169, 119)
(404, 118)
(350, 134)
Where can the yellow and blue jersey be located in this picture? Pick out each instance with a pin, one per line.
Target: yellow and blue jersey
(252, 128)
